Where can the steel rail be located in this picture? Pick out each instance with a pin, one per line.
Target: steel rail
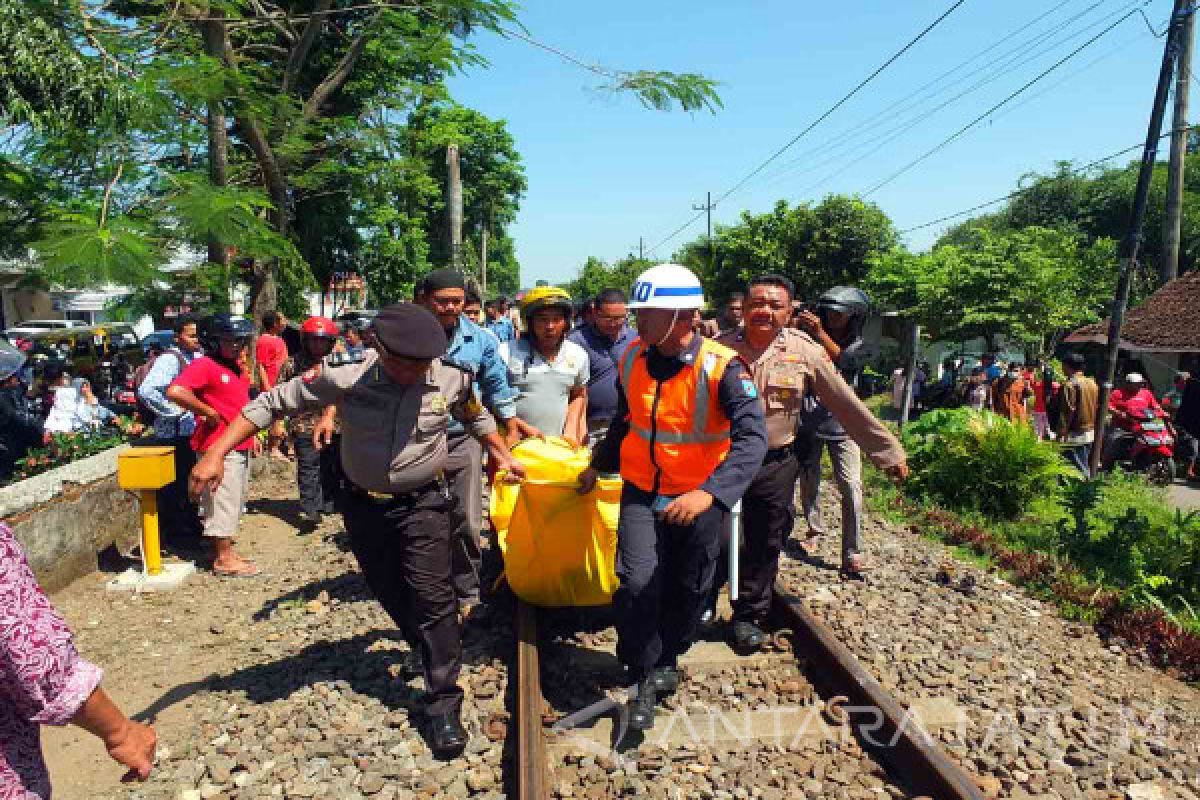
(884, 727)
(533, 780)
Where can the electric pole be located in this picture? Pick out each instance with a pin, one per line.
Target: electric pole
(1132, 242)
(707, 208)
(1173, 219)
(454, 207)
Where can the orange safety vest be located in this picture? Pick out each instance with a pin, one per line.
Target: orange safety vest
(678, 432)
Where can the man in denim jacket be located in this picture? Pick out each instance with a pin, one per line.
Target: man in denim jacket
(443, 292)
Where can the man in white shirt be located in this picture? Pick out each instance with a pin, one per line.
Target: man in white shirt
(549, 372)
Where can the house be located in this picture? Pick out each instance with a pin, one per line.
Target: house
(1159, 337)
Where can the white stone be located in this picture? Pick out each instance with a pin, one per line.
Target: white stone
(1146, 791)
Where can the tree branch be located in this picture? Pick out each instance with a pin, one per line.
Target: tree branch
(301, 50)
(340, 74)
(108, 190)
(287, 32)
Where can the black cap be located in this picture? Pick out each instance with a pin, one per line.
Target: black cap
(411, 331)
(443, 279)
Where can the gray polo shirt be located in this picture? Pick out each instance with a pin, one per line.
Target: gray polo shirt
(543, 387)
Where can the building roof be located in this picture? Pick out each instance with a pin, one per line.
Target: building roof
(1167, 322)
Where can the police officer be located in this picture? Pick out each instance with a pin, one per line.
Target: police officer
(787, 365)
(20, 427)
(394, 407)
(687, 439)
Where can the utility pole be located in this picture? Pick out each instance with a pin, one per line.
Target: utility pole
(914, 348)
(1132, 242)
(641, 248)
(1173, 219)
(707, 208)
(454, 207)
(483, 237)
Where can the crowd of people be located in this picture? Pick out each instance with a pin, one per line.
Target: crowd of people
(1064, 408)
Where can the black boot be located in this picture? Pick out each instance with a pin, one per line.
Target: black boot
(748, 637)
(665, 679)
(641, 707)
(447, 738)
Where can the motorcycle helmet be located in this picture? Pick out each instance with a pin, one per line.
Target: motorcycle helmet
(319, 328)
(225, 326)
(848, 300)
(547, 297)
(11, 360)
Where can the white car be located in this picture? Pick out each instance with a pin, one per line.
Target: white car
(38, 325)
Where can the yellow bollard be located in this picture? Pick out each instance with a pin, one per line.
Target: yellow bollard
(151, 549)
(145, 469)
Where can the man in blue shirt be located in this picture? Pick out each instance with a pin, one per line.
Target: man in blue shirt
(174, 426)
(444, 292)
(605, 338)
(497, 322)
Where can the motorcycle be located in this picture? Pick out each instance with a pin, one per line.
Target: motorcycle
(1147, 445)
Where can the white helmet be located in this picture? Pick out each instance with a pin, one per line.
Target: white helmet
(670, 286)
(1134, 377)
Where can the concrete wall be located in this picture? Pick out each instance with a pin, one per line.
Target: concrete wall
(64, 517)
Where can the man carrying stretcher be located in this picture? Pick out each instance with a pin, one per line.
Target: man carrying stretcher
(688, 438)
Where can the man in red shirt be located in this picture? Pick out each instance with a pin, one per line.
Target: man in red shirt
(215, 388)
(270, 352)
(1132, 399)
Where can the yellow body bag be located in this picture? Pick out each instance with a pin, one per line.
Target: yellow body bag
(560, 547)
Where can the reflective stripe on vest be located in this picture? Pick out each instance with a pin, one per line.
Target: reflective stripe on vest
(698, 434)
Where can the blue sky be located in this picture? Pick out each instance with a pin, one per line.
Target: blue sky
(603, 171)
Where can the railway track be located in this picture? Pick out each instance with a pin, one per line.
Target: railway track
(803, 716)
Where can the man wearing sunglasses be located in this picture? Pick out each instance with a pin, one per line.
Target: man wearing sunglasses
(395, 406)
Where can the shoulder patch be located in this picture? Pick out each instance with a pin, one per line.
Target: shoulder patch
(749, 388)
(312, 374)
(343, 358)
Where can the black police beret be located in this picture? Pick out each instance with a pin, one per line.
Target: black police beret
(410, 330)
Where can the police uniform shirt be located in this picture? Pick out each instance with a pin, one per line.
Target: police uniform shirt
(792, 366)
(739, 400)
(393, 436)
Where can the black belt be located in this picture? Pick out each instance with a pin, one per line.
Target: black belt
(438, 484)
(778, 454)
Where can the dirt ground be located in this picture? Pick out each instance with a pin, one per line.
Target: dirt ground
(168, 644)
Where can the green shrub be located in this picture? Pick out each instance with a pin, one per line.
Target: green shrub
(968, 460)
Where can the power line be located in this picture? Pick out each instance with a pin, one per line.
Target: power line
(904, 128)
(841, 102)
(994, 108)
(1009, 61)
(817, 121)
(1019, 192)
(900, 103)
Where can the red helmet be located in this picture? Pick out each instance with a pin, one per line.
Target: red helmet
(320, 328)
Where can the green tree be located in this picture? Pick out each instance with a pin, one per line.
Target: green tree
(817, 247)
(596, 275)
(1030, 284)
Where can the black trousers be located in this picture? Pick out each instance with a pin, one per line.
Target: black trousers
(666, 573)
(768, 514)
(403, 549)
(178, 516)
(315, 474)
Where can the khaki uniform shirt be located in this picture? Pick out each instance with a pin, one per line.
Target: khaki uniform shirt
(393, 436)
(794, 365)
